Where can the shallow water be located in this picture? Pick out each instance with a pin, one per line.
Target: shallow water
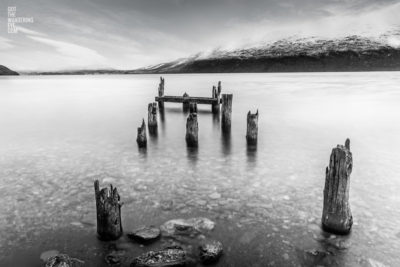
(60, 133)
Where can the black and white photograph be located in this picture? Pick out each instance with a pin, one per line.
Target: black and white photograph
(194, 133)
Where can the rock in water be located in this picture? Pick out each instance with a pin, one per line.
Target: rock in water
(115, 258)
(192, 226)
(170, 257)
(210, 251)
(145, 234)
(63, 260)
(48, 254)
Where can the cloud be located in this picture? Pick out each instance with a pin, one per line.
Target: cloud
(370, 22)
(74, 55)
(29, 32)
(5, 43)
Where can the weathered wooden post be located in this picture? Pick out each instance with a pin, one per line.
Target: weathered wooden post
(219, 88)
(161, 92)
(226, 111)
(152, 118)
(215, 105)
(252, 128)
(192, 107)
(141, 135)
(108, 209)
(336, 215)
(185, 104)
(192, 129)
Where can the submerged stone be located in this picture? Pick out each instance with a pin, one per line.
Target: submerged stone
(145, 234)
(215, 195)
(192, 226)
(166, 205)
(210, 251)
(63, 260)
(170, 257)
(115, 258)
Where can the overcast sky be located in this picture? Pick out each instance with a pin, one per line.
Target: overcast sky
(128, 34)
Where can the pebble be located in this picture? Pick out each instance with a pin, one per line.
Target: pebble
(171, 257)
(114, 258)
(192, 226)
(210, 251)
(48, 254)
(215, 195)
(286, 256)
(145, 234)
(63, 260)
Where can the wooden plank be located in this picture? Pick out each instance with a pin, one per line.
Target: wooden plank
(181, 99)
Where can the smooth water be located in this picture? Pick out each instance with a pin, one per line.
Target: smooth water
(60, 133)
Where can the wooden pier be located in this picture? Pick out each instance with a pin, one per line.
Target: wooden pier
(189, 99)
(185, 99)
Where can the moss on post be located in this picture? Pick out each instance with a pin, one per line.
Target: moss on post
(185, 103)
(252, 128)
(226, 112)
(141, 135)
(108, 209)
(336, 215)
(152, 118)
(192, 129)
(161, 92)
(215, 107)
(192, 107)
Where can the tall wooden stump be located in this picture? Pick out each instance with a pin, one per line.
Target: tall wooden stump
(252, 128)
(152, 118)
(141, 135)
(336, 215)
(185, 104)
(192, 129)
(215, 105)
(219, 88)
(192, 107)
(161, 92)
(108, 209)
(226, 112)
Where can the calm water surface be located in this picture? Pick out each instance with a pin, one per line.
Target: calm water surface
(58, 134)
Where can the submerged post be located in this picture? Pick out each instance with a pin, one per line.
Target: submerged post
(192, 107)
(226, 111)
(185, 103)
(192, 129)
(336, 215)
(215, 105)
(108, 209)
(161, 92)
(252, 128)
(152, 118)
(141, 135)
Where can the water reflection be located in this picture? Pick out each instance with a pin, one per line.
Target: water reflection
(215, 118)
(142, 152)
(251, 152)
(269, 197)
(192, 154)
(226, 142)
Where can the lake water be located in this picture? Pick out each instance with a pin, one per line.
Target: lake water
(60, 133)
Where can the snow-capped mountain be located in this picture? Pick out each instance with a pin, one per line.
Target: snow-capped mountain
(352, 53)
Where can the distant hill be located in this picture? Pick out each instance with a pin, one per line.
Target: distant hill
(352, 53)
(6, 71)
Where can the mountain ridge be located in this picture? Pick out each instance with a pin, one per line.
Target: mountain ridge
(6, 71)
(350, 53)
